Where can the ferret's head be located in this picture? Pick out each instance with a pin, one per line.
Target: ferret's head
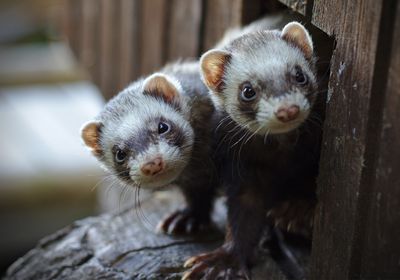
(143, 135)
(264, 80)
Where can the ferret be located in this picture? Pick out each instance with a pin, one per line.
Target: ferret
(264, 86)
(156, 132)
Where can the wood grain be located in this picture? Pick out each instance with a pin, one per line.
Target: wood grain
(184, 31)
(219, 16)
(129, 58)
(378, 221)
(299, 6)
(108, 67)
(153, 35)
(88, 51)
(345, 150)
(72, 16)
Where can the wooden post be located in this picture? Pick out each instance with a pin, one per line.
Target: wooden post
(108, 55)
(219, 16)
(129, 41)
(153, 35)
(356, 225)
(184, 29)
(299, 6)
(88, 50)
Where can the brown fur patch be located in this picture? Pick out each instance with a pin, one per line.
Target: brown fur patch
(213, 66)
(90, 134)
(158, 86)
(297, 35)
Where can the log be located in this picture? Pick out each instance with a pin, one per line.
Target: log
(122, 246)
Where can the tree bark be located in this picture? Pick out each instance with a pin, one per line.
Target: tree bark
(123, 246)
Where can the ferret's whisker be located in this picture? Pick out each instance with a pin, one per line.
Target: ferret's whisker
(265, 136)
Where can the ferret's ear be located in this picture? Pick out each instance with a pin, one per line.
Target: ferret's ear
(296, 34)
(162, 86)
(90, 133)
(213, 65)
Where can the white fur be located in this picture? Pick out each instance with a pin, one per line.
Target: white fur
(147, 108)
(174, 161)
(170, 79)
(266, 119)
(295, 24)
(271, 60)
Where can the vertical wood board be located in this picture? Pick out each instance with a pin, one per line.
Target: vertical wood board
(299, 6)
(356, 26)
(377, 248)
(153, 35)
(220, 15)
(184, 29)
(88, 52)
(129, 42)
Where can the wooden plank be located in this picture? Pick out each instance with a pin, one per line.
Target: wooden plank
(184, 29)
(153, 35)
(379, 207)
(336, 244)
(328, 15)
(220, 15)
(299, 6)
(65, 22)
(71, 13)
(129, 42)
(89, 33)
(254, 9)
(108, 40)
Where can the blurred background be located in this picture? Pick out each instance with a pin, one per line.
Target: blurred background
(60, 60)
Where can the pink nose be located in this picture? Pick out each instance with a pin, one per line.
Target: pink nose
(286, 114)
(152, 167)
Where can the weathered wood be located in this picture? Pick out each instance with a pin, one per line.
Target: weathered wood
(153, 35)
(299, 6)
(378, 227)
(337, 234)
(72, 15)
(129, 42)
(108, 42)
(122, 246)
(88, 50)
(219, 16)
(184, 29)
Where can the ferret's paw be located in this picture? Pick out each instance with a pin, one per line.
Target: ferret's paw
(293, 216)
(182, 222)
(219, 264)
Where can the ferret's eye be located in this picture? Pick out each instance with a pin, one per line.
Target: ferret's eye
(300, 78)
(248, 93)
(162, 128)
(120, 156)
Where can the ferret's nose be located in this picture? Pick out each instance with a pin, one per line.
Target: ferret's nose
(153, 167)
(286, 114)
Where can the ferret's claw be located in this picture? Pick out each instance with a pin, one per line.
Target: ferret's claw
(182, 222)
(190, 262)
(219, 264)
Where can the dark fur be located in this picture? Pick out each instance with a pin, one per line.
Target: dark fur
(259, 176)
(199, 179)
(262, 173)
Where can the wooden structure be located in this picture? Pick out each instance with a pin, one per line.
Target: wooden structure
(357, 226)
(356, 235)
(124, 246)
(120, 40)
